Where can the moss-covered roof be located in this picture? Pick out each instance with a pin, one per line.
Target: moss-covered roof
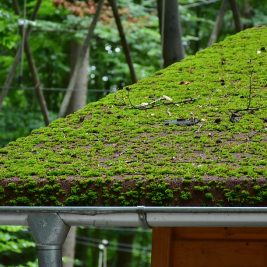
(192, 134)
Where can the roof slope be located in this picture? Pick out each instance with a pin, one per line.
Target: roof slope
(192, 134)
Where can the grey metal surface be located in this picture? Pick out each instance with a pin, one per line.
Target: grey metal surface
(51, 258)
(134, 209)
(50, 225)
(49, 232)
(150, 216)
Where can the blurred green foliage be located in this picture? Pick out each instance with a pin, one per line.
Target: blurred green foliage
(16, 247)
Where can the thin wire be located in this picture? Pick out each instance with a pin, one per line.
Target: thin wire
(85, 243)
(54, 89)
(111, 243)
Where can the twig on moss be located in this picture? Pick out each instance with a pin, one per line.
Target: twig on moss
(248, 109)
(235, 117)
(163, 100)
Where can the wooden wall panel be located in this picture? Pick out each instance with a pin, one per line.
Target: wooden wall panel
(219, 253)
(203, 247)
(256, 233)
(162, 247)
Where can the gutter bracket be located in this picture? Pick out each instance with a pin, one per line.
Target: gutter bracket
(143, 217)
(49, 233)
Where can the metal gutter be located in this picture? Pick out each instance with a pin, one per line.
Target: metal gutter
(50, 225)
(143, 216)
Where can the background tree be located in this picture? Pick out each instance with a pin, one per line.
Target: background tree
(171, 31)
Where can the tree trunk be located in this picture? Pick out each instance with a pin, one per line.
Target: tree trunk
(79, 94)
(68, 250)
(218, 23)
(196, 44)
(248, 13)
(12, 72)
(124, 43)
(37, 83)
(80, 58)
(171, 31)
(236, 15)
(124, 257)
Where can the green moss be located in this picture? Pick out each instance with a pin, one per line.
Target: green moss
(201, 188)
(122, 155)
(209, 196)
(185, 195)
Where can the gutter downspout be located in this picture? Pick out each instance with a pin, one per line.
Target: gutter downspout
(49, 232)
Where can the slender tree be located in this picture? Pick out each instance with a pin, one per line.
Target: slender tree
(219, 19)
(79, 62)
(68, 250)
(79, 93)
(236, 15)
(171, 31)
(218, 23)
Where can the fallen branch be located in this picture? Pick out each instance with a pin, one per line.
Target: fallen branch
(163, 100)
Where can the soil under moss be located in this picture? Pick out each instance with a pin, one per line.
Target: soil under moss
(192, 134)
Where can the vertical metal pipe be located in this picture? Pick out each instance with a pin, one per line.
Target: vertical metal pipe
(50, 257)
(49, 232)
